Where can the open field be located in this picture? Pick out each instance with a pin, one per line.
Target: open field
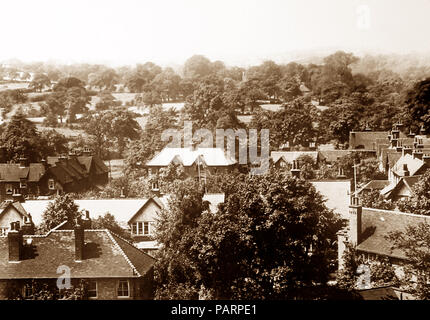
(13, 86)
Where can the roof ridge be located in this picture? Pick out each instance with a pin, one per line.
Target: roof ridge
(122, 252)
(130, 243)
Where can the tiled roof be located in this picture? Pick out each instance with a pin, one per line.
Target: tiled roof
(336, 192)
(290, 156)
(12, 172)
(5, 204)
(122, 209)
(404, 181)
(105, 256)
(374, 185)
(376, 224)
(187, 156)
(366, 139)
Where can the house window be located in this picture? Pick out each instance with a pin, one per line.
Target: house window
(92, 289)
(155, 186)
(283, 164)
(27, 291)
(123, 289)
(16, 191)
(9, 188)
(23, 184)
(141, 228)
(51, 184)
(146, 228)
(4, 231)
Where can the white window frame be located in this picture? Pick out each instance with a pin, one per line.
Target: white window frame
(128, 288)
(51, 184)
(96, 290)
(138, 228)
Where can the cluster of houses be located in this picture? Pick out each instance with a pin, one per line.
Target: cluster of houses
(116, 268)
(76, 172)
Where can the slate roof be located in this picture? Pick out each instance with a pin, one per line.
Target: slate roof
(366, 139)
(106, 255)
(383, 293)
(187, 156)
(414, 164)
(406, 181)
(12, 172)
(374, 185)
(122, 209)
(376, 224)
(290, 156)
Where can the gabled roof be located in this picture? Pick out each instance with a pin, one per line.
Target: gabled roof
(18, 207)
(376, 224)
(374, 185)
(408, 182)
(122, 209)
(413, 164)
(290, 156)
(211, 156)
(106, 255)
(12, 172)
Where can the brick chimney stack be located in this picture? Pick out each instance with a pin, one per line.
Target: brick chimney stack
(79, 232)
(417, 154)
(15, 242)
(426, 159)
(295, 170)
(86, 222)
(23, 162)
(405, 170)
(406, 150)
(355, 212)
(28, 227)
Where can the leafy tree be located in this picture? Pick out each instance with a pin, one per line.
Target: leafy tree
(139, 151)
(108, 222)
(197, 67)
(104, 79)
(414, 241)
(419, 203)
(19, 137)
(112, 128)
(40, 81)
(347, 276)
(374, 199)
(55, 143)
(63, 208)
(418, 103)
(272, 239)
(72, 96)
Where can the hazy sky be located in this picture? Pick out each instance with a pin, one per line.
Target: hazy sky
(170, 31)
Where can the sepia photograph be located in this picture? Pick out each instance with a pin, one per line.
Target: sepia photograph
(190, 151)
